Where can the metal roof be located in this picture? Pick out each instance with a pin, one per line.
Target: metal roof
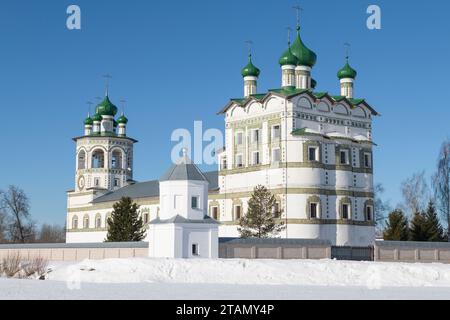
(149, 189)
(180, 219)
(183, 171)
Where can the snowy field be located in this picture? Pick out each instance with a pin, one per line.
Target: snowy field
(234, 279)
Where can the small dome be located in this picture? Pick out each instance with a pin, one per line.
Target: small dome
(288, 58)
(97, 118)
(347, 72)
(250, 70)
(305, 56)
(88, 121)
(106, 108)
(122, 120)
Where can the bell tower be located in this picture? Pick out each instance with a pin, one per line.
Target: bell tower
(104, 154)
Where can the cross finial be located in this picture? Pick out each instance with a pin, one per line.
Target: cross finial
(249, 44)
(347, 50)
(298, 10)
(107, 77)
(289, 31)
(122, 102)
(89, 103)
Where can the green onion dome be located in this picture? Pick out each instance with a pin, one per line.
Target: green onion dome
(250, 70)
(88, 121)
(313, 83)
(347, 72)
(305, 56)
(122, 120)
(106, 108)
(288, 58)
(97, 118)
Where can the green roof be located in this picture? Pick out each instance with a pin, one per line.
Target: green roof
(292, 91)
(347, 72)
(122, 119)
(250, 70)
(106, 108)
(88, 121)
(97, 118)
(288, 58)
(305, 56)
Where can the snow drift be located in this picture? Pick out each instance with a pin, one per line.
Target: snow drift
(256, 272)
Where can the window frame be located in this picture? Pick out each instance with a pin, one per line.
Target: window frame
(367, 156)
(348, 206)
(346, 153)
(273, 155)
(256, 135)
(215, 212)
(239, 164)
(195, 250)
(316, 205)
(197, 202)
(369, 211)
(239, 142)
(273, 130)
(235, 212)
(316, 153)
(257, 161)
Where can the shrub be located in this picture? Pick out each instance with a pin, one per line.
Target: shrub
(37, 266)
(11, 265)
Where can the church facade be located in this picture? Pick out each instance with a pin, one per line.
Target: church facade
(313, 150)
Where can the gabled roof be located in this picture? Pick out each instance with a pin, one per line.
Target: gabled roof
(291, 92)
(149, 189)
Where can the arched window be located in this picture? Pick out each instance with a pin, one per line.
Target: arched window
(81, 160)
(98, 221)
(116, 159)
(98, 159)
(86, 222)
(75, 222)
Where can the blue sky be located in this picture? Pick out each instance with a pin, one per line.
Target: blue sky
(179, 61)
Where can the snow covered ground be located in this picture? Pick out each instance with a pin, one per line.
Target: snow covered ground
(234, 279)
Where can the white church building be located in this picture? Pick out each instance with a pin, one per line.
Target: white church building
(311, 149)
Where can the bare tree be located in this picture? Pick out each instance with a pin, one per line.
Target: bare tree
(3, 227)
(14, 202)
(381, 208)
(416, 192)
(51, 234)
(441, 183)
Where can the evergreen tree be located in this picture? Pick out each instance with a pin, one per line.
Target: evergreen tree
(433, 227)
(262, 218)
(417, 230)
(396, 227)
(125, 224)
